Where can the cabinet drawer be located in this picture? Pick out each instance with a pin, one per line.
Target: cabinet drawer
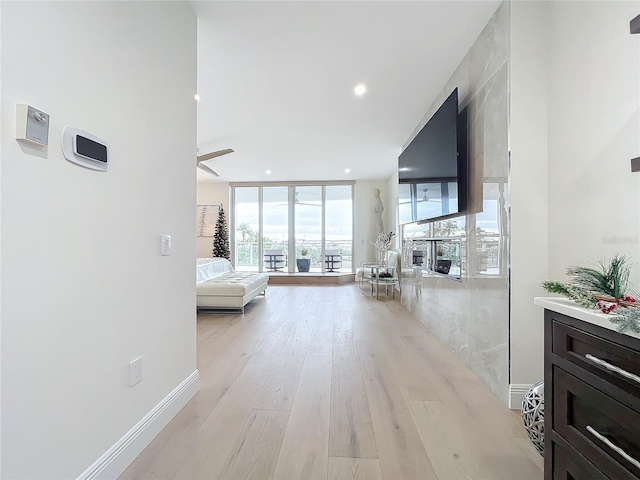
(599, 428)
(566, 466)
(615, 363)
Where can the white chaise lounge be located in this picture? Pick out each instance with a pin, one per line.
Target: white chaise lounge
(218, 286)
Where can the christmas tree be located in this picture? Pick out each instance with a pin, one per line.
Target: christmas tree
(221, 237)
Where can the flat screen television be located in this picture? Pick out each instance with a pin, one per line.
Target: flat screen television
(432, 170)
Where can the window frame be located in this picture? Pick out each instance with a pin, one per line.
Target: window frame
(291, 252)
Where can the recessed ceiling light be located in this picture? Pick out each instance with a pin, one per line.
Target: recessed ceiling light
(360, 89)
(347, 170)
(403, 169)
(197, 97)
(268, 172)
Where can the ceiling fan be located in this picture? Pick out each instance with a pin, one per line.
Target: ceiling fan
(209, 156)
(298, 202)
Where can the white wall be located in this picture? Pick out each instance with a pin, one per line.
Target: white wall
(365, 220)
(593, 132)
(84, 288)
(211, 193)
(528, 193)
(574, 125)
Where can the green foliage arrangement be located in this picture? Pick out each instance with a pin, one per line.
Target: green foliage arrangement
(606, 288)
(627, 319)
(612, 279)
(575, 293)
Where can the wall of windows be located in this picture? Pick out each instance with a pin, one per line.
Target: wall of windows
(302, 220)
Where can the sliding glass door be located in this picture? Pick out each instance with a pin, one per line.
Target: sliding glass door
(308, 225)
(247, 209)
(275, 218)
(304, 221)
(339, 222)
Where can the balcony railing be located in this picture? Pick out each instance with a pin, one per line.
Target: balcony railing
(247, 257)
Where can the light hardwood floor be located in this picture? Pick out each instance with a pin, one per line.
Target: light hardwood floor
(326, 382)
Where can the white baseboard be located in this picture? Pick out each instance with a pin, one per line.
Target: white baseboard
(517, 392)
(124, 451)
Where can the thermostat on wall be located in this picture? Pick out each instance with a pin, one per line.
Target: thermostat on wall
(32, 124)
(85, 149)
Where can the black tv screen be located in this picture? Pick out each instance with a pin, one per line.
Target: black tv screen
(432, 169)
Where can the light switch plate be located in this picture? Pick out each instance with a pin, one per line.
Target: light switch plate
(165, 245)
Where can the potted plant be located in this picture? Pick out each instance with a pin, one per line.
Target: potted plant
(303, 263)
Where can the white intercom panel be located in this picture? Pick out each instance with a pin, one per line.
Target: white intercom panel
(85, 149)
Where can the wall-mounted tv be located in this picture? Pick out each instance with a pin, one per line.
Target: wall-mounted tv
(432, 170)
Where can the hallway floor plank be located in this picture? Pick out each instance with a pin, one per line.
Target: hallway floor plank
(326, 382)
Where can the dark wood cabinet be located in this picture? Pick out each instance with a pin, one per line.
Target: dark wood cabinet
(592, 401)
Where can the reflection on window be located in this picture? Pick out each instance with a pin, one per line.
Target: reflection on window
(474, 249)
(436, 199)
(486, 258)
(423, 201)
(405, 212)
(413, 230)
(438, 256)
(448, 228)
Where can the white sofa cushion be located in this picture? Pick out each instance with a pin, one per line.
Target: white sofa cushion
(208, 268)
(232, 284)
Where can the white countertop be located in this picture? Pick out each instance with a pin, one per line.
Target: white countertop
(572, 309)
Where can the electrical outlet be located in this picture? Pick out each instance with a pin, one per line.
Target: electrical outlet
(135, 371)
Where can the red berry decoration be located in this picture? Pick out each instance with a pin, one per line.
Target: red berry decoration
(606, 307)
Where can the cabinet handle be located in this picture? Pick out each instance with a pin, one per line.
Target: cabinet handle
(613, 368)
(613, 446)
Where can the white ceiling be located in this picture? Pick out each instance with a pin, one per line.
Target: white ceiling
(276, 82)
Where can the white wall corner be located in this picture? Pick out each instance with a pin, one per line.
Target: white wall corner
(517, 391)
(115, 460)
